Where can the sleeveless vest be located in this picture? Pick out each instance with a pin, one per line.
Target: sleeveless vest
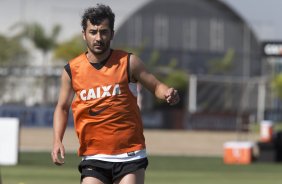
(107, 119)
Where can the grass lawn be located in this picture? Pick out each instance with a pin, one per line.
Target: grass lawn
(36, 168)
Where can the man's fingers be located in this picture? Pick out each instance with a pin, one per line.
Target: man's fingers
(62, 151)
(172, 96)
(169, 93)
(56, 159)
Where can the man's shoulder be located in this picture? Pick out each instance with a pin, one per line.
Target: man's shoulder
(119, 51)
(78, 59)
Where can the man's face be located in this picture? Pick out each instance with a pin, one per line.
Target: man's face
(98, 37)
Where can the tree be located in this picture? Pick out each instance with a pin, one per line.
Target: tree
(70, 49)
(36, 33)
(11, 51)
(175, 77)
(276, 85)
(222, 65)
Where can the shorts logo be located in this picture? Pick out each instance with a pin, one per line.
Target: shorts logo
(131, 154)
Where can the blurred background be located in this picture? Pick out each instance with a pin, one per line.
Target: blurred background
(223, 56)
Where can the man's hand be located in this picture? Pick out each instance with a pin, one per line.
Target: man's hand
(172, 96)
(58, 154)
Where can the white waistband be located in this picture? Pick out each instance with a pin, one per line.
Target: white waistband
(124, 157)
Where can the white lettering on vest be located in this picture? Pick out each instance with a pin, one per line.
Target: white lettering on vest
(93, 93)
(106, 90)
(83, 95)
(98, 92)
(116, 90)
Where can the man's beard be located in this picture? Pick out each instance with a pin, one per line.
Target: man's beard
(104, 47)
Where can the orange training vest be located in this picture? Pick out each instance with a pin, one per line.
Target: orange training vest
(106, 116)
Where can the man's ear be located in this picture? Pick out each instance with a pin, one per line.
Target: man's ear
(83, 34)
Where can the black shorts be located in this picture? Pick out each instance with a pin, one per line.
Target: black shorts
(108, 172)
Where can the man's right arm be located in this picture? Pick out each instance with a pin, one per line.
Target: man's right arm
(60, 118)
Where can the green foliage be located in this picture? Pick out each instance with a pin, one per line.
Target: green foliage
(222, 65)
(276, 85)
(11, 51)
(172, 76)
(136, 50)
(177, 79)
(36, 33)
(70, 49)
(154, 58)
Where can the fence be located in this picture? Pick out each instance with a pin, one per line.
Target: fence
(31, 116)
(215, 102)
(220, 102)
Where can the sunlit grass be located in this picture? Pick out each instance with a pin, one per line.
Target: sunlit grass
(37, 168)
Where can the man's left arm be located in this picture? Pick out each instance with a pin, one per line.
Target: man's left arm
(149, 81)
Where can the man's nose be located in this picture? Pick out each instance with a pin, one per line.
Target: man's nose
(98, 36)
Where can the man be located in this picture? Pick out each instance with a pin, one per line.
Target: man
(106, 115)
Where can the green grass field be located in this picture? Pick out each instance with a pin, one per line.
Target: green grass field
(36, 168)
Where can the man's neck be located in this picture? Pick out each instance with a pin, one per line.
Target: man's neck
(97, 58)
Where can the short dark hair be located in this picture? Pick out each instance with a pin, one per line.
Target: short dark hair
(97, 14)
